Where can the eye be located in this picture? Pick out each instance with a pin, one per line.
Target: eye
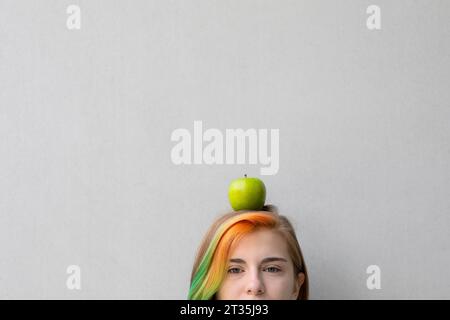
(273, 269)
(234, 270)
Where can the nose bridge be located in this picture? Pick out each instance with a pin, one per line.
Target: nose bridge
(255, 283)
(255, 273)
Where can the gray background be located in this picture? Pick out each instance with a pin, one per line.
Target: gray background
(86, 117)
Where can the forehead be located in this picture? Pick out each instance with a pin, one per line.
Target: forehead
(261, 243)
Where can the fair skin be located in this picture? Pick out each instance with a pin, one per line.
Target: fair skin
(260, 268)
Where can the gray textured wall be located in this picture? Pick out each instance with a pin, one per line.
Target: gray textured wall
(86, 118)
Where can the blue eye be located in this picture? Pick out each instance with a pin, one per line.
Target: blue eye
(234, 270)
(273, 269)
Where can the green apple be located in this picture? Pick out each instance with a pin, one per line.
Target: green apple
(247, 194)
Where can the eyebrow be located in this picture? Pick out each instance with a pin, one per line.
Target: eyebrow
(265, 260)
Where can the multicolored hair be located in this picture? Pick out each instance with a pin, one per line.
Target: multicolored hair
(211, 262)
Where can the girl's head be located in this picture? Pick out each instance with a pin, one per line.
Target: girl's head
(250, 255)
